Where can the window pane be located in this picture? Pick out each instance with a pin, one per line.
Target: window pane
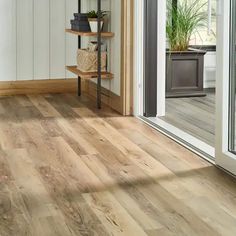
(233, 79)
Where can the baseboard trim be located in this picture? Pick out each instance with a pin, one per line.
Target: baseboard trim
(8, 88)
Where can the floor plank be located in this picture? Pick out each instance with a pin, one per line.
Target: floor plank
(67, 168)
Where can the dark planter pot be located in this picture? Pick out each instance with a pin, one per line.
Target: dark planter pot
(184, 73)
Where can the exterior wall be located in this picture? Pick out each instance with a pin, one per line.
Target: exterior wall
(210, 70)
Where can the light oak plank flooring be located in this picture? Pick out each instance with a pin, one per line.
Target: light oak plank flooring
(194, 115)
(69, 169)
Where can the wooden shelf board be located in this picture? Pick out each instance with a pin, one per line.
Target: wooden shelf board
(103, 34)
(88, 75)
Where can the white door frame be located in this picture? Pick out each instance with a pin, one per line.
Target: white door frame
(161, 58)
(139, 57)
(138, 93)
(224, 158)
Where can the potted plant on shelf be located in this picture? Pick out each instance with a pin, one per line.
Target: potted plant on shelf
(185, 66)
(93, 20)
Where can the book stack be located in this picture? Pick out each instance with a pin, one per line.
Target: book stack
(80, 22)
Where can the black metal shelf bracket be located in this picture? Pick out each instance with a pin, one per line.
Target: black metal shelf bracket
(79, 46)
(99, 80)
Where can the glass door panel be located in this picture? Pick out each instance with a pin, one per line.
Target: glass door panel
(232, 130)
(226, 86)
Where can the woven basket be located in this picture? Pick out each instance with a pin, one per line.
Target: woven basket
(87, 61)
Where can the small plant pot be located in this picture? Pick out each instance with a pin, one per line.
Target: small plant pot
(93, 22)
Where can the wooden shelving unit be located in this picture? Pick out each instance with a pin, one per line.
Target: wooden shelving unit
(91, 34)
(88, 75)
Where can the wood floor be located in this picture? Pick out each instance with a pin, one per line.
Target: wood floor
(68, 169)
(195, 116)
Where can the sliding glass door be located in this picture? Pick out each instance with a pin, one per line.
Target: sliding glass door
(232, 137)
(226, 86)
(225, 116)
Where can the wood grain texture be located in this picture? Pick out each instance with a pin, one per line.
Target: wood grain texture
(90, 34)
(196, 116)
(89, 75)
(127, 35)
(60, 86)
(38, 86)
(69, 169)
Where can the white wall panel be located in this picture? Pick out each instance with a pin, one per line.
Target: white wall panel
(85, 6)
(115, 59)
(41, 39)
(71, 40)
(7, 40)
(57, 39)
(25, 39)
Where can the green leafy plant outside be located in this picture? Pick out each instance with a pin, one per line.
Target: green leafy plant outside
(183, 21)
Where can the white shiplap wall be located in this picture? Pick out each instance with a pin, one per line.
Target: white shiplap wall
(7, 40)
(33, 43)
